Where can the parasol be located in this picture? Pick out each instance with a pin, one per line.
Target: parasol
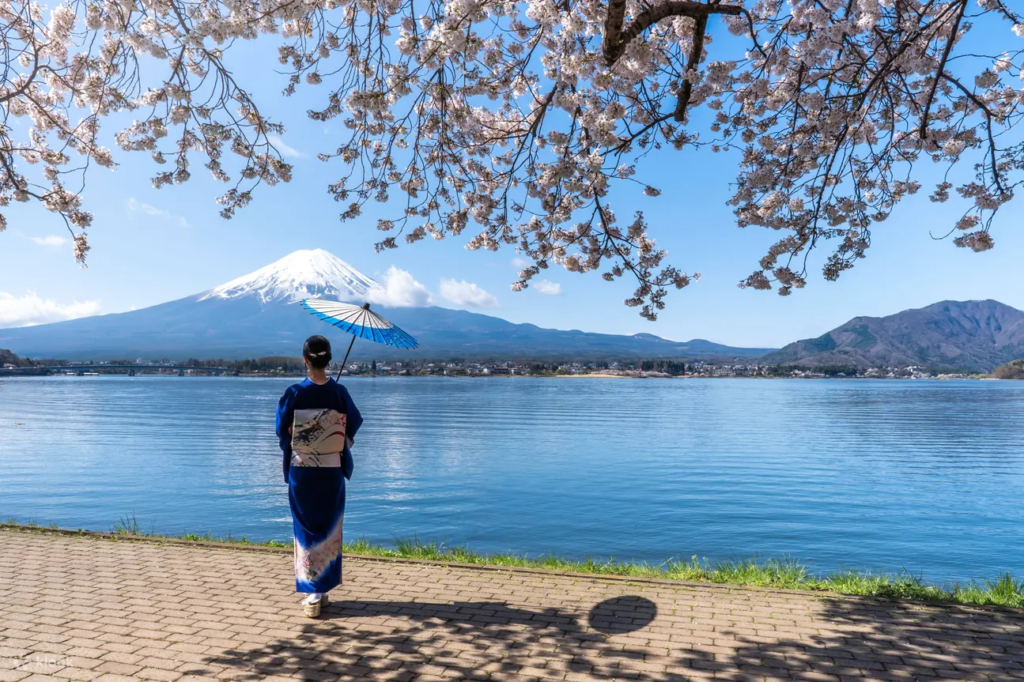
(360, 322)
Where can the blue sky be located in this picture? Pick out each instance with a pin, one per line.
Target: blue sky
(151, 246)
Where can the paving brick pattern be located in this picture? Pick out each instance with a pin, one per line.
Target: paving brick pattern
(92, 609)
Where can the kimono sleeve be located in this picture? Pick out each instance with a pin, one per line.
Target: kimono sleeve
(285, 415)
(354, 419)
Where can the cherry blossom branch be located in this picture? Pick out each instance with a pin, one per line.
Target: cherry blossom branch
(525, 123)
(696, 51)
(942, 68)
(616, 38)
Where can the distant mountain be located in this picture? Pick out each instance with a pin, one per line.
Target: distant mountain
(258, 315)
(966, 335)
(303, 274)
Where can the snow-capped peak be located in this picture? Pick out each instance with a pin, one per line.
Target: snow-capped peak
(310, 273)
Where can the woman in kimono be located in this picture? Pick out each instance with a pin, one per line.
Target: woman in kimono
(316, 424)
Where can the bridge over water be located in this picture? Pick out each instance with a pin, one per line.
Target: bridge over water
(132, 370)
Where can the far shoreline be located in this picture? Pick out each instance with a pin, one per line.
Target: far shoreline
(214, 374)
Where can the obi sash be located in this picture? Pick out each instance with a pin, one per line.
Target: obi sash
(318, 438)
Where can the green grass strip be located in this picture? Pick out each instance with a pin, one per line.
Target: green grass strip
(783, 573)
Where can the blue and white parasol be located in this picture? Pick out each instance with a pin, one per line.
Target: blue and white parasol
(359, 321)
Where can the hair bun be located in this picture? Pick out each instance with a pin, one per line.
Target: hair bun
(317, 350)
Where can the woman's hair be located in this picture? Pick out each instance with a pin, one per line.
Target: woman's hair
(317, 350)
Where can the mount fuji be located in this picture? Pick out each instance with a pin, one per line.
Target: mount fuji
(303, 274)
(258, 315)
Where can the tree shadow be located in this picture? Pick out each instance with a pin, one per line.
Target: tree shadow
(481, 640)
(826, 639)
(884, 640)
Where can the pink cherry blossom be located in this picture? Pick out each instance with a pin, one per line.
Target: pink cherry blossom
(523, 121)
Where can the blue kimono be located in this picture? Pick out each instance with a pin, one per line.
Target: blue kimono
(313, 423)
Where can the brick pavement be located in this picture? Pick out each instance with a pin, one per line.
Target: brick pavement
(85, 608)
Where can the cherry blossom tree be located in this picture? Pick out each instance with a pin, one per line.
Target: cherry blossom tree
(520, 121)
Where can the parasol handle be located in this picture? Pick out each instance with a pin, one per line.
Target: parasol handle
(345, 361)
(366, 306)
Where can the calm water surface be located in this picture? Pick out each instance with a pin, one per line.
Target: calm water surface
(882, 475)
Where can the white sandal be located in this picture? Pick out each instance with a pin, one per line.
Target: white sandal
(312, 608)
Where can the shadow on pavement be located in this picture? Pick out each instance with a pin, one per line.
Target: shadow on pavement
(849, 640)
(476, 640)
(873, 639)
(622, 614)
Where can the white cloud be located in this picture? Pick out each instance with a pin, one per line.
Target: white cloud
(466, 294)
(30, 309)
(146, 209)
(284, 148)
(50, 240)
(519, 263)
(547, 287)
(400, 290)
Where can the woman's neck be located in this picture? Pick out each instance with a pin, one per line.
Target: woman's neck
(318, 376)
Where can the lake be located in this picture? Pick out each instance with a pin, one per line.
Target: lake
(866, 474)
